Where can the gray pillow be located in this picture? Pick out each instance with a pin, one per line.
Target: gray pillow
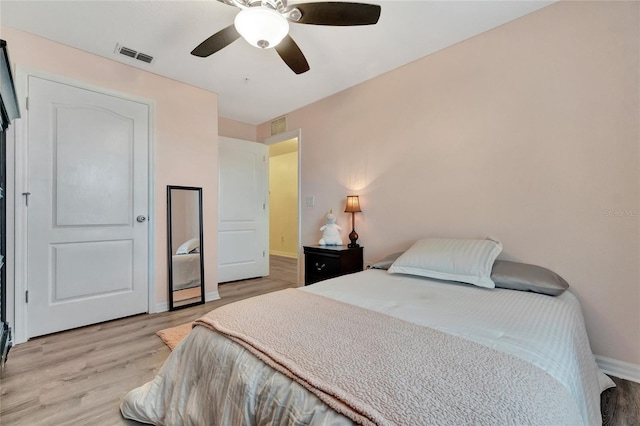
(524, 277)
(387, 261)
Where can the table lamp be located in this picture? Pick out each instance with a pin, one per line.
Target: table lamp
(353, 206)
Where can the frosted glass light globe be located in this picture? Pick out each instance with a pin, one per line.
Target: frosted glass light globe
(261, 26)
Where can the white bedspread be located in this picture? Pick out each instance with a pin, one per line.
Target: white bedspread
(185, 269)
(210, 380)
(547, 331)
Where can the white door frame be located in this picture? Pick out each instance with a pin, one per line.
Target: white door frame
(281, 137)
(20, 324)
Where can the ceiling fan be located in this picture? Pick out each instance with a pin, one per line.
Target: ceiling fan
(265, 24)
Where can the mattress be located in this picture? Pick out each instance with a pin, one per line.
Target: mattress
(209, 379)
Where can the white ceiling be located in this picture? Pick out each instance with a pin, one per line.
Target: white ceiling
(254, 85)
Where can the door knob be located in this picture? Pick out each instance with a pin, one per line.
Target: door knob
(141, 218)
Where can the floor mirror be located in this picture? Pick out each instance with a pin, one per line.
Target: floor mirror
(185, 242)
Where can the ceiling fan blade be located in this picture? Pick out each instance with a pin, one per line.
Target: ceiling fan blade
(219, 40)
(292, 55)
(338, 13)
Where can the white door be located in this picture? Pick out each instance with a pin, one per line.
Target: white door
(243, 218)
(88, 182)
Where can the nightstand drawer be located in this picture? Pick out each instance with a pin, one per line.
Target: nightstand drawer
(321, 267)
(324, 262)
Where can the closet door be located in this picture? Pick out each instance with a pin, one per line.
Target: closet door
(8, 111)
(3, 227)
(87, 208)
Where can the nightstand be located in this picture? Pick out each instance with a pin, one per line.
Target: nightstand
(324, 262)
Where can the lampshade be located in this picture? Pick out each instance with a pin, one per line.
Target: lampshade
(353, 204)
(261, 26)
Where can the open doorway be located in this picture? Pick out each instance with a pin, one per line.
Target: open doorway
(284, 206)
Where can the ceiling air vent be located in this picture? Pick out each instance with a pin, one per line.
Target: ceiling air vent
(134, 54)
(127, 52)
(144, 58)
(279, 126)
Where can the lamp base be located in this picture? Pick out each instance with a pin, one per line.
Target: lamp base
(353, 236)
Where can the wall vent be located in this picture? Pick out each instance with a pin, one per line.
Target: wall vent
(279, 126)
(133, 54)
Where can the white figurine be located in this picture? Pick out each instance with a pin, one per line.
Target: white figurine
(330, 232)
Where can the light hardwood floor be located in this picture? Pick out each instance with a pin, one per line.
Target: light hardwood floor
(79, 377)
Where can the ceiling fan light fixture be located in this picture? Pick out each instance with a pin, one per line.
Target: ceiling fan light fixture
(261, 26)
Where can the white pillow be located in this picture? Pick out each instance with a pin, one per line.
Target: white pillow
(467, 261)
(189, 247)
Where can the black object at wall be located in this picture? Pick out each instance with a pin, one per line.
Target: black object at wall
(8, 111)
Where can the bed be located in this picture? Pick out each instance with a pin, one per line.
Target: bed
(185, 270)
(377, 347)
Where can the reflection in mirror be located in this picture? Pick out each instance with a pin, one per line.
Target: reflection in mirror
(184, 232)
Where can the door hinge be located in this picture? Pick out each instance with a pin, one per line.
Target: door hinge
(262, 253)
(264, 206)
(26, 296)
(27, 103)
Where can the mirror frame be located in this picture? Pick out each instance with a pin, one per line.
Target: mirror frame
(172, 307)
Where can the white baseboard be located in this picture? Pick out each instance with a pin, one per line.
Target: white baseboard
(214, 295)
(621, 369)
(161, 307)
(208, 297)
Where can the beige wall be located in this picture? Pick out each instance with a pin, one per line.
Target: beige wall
(185, 131)
(283, 205)
(528, 132)
(236, 129)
